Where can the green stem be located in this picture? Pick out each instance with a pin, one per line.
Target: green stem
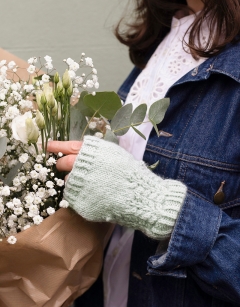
(85, 129)
(68, 118)
(35, 146)
(42, 136)
(54, 128)
(50, 123)
(46, 117)
(122, 128)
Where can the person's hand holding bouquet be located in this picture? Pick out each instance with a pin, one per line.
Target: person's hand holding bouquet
(49, 254)
(106, 184)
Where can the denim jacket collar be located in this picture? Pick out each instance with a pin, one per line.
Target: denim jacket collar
(227, 63)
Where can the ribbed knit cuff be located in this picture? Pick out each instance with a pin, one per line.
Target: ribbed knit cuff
(82, 166)
(108, 184)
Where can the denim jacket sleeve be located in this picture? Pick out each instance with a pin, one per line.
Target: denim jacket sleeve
(205, 243)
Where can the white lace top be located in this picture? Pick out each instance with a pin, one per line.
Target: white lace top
(168, 64)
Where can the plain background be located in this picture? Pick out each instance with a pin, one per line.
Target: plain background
(63, 29)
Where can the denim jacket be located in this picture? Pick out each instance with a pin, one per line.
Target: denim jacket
(199, 144)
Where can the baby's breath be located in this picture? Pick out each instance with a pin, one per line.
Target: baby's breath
(35, 189)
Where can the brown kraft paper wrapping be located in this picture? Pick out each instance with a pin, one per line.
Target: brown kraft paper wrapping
(53, 263)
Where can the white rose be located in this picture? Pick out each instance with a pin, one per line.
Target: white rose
(19, 127)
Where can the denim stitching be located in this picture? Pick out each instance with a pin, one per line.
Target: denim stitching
(183, 130)
(182, 174)
(233, 165)
(162, 273)
(228, 167)
(216, 232)
(225, 73)
(230, 204)
(174, 233)
(199, 196)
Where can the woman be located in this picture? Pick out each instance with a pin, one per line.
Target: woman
(186, 247)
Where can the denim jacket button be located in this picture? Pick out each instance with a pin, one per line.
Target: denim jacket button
(219, 196)
(195, 71)
(164, 133)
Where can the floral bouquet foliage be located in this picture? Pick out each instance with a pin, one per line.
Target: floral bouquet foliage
(49, 107)
(59, 257)
(58, 254)
(33, 112)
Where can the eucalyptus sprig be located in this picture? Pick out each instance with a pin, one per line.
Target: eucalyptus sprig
(108, 106)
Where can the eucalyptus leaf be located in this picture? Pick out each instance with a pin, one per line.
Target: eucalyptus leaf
(78, 122)
(155, 127)
(121, 123)
(139, 132)
(3, 146)
(138, 115)
(105, 104)
(110, 136)
(83, 108)
(153, 166)
(158, 110)
(11, 175)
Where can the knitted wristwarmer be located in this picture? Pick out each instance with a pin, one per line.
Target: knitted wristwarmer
(108, 184)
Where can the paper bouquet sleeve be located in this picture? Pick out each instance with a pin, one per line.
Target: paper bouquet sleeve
(52, 263)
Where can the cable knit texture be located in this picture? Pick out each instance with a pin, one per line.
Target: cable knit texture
(108, 184)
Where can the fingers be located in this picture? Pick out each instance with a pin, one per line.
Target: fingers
(65, 164)
(66, 147)
(69, 148)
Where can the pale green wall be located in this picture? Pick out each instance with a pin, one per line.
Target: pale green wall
(64, 29)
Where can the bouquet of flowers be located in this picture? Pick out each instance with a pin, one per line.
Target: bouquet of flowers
(49, 255)
(47, 258)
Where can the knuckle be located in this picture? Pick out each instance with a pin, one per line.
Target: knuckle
(75, 146)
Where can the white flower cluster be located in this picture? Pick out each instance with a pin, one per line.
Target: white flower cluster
(35, 194)
(98, 126)
(30, 188)
(84, 81)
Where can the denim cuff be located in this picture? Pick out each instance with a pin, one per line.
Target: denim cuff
(193, 237)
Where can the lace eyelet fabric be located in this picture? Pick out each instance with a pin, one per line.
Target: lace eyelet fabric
(171, 60)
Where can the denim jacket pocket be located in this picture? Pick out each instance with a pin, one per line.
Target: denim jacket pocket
(208, 182)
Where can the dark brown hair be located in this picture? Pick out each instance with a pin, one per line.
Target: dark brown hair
(151, 21)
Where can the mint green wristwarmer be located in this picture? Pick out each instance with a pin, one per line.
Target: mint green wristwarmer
(108, 184)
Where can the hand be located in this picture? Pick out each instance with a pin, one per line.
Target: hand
(69, 148)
